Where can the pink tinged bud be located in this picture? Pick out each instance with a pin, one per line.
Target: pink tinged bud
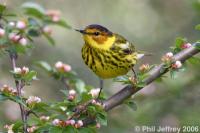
(93, 101)
(9, 128)
(32, 100)
(58, 65)
(68, 122)
(144, 67)
(94, 92)
(71, 97)
(23, 41)
(66, 67)
(98, 125)
(21, 25)
(72, 92)
(72, 122)
(17, 70)
(47, 30)
(177, 65)
(186, 45)
(80, 123)
(31, 129)
(56, 18)
(25, 70)
(14, 37)
(56, 122)
(11, 24)
(2, 32)
(44, 118)
(169, 54)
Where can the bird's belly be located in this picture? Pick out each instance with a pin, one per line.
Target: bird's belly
(108, 72)
(107, 65)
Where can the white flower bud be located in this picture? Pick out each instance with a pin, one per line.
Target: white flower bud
(23, 41)
(56, 122)
(2, 32)
(17, 70)
(169, 54)
(72, 92)
(80, 123)
(11, 24)
(94, 92)
(58, 65)
(21, 25)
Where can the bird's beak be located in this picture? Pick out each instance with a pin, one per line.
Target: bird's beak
(81, 31)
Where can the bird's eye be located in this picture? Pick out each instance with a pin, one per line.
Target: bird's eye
(96, 33)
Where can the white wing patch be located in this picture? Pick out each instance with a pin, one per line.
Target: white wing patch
(125, 45)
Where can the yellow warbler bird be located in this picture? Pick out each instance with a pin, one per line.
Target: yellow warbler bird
(108, 54)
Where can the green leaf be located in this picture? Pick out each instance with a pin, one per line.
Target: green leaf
(80, 86)
(2, 8)
(17, 99)
(56, 130)
(17, 126)
(179, 42)
(63, 24)
(49, 38)
(132, 105)
(87, 130)
(194, 60)
(3, 97)
(197, 45)
(101, 118)
(20, 49)
(197, 27)
(34, 9)
(30, 76)
(173, 74)
(44, 65)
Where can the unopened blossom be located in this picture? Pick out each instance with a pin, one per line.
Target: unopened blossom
(23, 41)
(70, 97)
(98, 125)
(21, 25)
(167, 57)
(186, 45)
(95, 92)
(60, 66)
(31, 129)
(80, 123)
(14, 37)
(47, 30)
(54, 14)
(9, 90)
(177, 65)
(17, 70)
(67, 67)
(11, 24)
(72, 122)
(24, 70)
(144, 67)
(72, 92)
(56, 122)
(44, 118)
(33, 100)
(2, 32)
(9, 128)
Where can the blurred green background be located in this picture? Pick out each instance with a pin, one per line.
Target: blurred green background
(152, 25)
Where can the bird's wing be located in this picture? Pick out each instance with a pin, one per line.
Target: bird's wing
(121, 44)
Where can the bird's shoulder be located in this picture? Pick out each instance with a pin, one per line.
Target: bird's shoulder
(123, 45)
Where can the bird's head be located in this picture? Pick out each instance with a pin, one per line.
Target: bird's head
(97, 36)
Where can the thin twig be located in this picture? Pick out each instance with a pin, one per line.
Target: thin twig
(19, 86)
